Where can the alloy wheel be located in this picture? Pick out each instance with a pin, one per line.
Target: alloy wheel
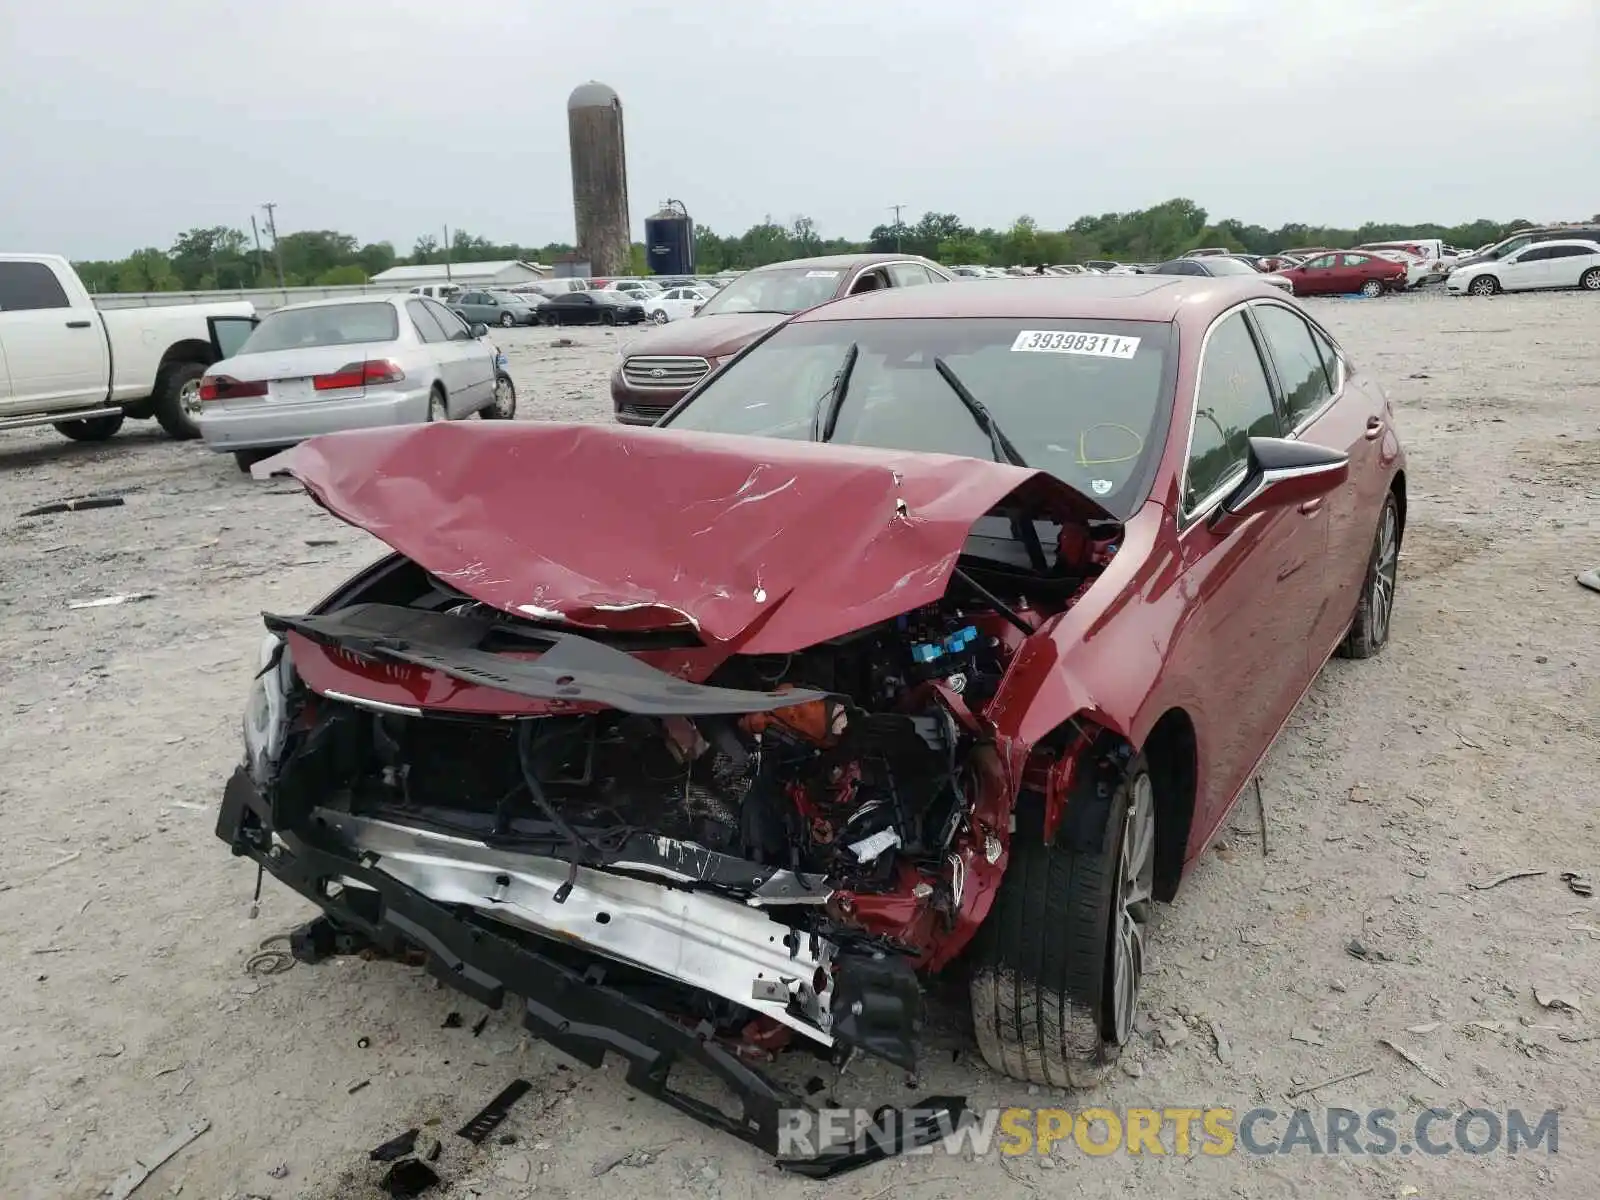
(659, 317)
(505, 398)
(1482, 286)
(1591, 280)
(1384, 574)
(1133, 902)
(1371, 288)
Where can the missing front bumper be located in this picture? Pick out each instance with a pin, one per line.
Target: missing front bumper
(576, 1012)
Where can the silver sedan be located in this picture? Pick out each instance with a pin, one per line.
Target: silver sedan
(333, 365)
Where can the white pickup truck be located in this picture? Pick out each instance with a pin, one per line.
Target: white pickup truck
(64, 362)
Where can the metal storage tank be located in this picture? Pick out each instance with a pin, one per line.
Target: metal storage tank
(669, 240)
(599, 177)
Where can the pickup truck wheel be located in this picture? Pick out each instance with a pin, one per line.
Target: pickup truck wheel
(1058, 964)
(177, 400)
(90, 429)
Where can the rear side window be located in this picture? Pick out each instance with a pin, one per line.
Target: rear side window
(1356, 260)
(324, 325)
(907, 274)
(1307, 385)
(25, 286)
(427, 328)
(1233, 404)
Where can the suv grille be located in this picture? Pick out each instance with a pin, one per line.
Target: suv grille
(664, 372)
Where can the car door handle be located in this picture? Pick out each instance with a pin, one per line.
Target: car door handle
(1312, 507)
(78, 324)
(1374, 428)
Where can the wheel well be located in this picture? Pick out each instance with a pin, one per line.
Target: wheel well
(1170, 753)
(1398, 487)
(190, 351)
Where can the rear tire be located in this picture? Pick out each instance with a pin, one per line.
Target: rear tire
(1369, 632)
(1483, 285)
(1058, 964)
(90, 429)
(177, 399)
(245, 459)
(608, 318)
(1371, 288)
(438, 405)
(1589, 281)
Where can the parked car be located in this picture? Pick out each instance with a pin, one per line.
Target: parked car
(1566, 264)
(335, 365)
(661, 366)
(1346, 273)
(943, 625)
(599, 307)
(675, 304)
(1217, 266)
(67, 363)
(1207, 252)
(1580, 231)
(559, 286)
(442, 292)
(496, 308)
(638, 288)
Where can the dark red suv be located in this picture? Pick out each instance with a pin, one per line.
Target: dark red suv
(658, 369)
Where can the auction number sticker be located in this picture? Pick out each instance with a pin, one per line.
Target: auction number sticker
(1061, 341)
(822, 274)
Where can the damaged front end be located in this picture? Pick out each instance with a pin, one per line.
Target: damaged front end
(671, 847)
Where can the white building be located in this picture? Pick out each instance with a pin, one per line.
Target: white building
(504, 274)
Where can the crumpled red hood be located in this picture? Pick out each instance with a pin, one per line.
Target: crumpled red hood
(773, 543)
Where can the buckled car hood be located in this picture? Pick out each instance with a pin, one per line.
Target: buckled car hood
(771, 543)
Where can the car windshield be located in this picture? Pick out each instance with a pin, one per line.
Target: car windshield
(785, 290)
(324, 325)
(1086, 400)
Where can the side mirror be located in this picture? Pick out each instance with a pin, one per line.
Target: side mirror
(479, 329)
(1280, 472)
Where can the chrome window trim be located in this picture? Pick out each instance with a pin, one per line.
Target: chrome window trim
(1338, 357)
(1189, 517)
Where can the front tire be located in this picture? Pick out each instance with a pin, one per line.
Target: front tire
(507, 320)
(1589, 281)
(177, 400)
(1370, 630)
(1483, 285)
(659, 316)
(1058, 964)
(90, 429)
(504, 405)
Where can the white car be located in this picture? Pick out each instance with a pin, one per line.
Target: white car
(638, 288)
(1573, 263)
(333, 365)
(674, 304)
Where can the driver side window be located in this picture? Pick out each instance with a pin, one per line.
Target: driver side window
(1233, 403)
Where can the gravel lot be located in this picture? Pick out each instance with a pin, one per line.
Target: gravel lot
(1467, 750)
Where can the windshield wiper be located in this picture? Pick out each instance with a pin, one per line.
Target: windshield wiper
(827, 414)
(1004, 450)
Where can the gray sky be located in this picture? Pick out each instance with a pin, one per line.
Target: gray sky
(124, 122)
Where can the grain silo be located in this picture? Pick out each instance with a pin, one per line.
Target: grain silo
(599, 177)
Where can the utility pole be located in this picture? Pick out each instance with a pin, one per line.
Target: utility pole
(898, 227)
(255, 231)
(277, 253)
(447, 275)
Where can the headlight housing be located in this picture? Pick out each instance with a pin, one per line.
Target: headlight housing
(266, 709)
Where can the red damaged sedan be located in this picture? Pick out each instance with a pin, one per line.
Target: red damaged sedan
(938, 632)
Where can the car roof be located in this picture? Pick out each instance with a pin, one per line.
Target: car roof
(841, 262)
(1053, 297)
(1550, 243)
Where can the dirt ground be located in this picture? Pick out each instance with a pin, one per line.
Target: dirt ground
(1467, 750)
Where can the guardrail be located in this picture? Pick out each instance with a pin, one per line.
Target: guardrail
(265, 299)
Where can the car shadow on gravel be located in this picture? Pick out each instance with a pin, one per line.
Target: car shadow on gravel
(22, 455)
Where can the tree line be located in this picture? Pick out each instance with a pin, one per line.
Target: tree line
(222, 257)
